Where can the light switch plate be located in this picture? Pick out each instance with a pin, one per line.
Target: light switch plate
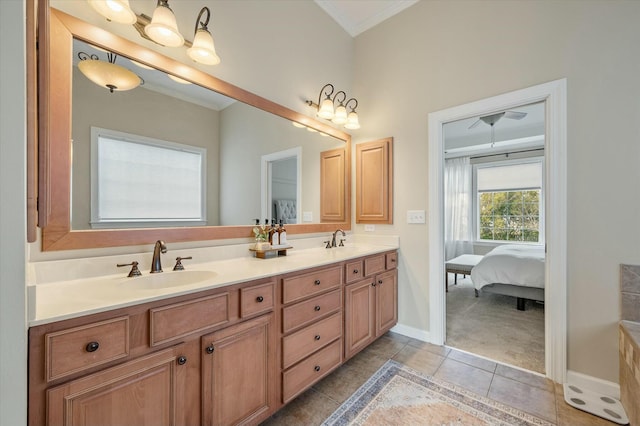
(307, 216)
(369, 228)
(416, 216)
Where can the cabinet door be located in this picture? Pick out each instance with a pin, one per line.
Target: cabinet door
(238, 368)
(334, 188)
(386, 301)
(359, 316)
(374, 182)
(147, 391)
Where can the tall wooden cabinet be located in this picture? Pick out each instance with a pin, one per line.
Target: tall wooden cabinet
(374, 182)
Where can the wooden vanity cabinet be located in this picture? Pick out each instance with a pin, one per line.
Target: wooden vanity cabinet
(371, 304)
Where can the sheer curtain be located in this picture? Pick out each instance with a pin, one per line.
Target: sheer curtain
(458, 214)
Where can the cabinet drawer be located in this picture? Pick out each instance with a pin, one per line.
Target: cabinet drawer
(301, 286)
(303, 313)
(257, 299)
(392, 260)
(353, 271)
(76, 349)
(309, 371)
(308, 340)
(374, 264)
(180, 319)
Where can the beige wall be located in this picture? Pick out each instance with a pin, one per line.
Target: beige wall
(13, 335)
(439, 54)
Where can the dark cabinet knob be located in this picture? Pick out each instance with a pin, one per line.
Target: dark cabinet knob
(259, 299)
(380, 282)
(317, 368)
(317, 282)
(393, 260)
(316, 308)
(355, 271)
(182, 360)
(373, 284)
(209, 349)
(317, 337)
(92, 346)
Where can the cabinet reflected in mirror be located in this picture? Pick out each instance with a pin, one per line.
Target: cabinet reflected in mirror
(241, 134)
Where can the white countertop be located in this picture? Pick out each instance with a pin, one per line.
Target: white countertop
(51, 301)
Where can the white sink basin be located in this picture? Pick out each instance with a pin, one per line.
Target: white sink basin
(168, 279)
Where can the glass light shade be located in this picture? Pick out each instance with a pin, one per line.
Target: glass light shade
(203, 50)
(178, 79)
(352, 121)
(326, 109)
(115, 10)
(340, 116)
(298, 125)
(163, 28)
(111, 76)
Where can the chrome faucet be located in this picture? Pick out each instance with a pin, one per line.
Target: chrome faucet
(333, 238)
(160, 247)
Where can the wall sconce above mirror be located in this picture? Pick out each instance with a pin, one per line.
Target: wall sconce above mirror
(107, 73)
(328, 110)
(162, 28)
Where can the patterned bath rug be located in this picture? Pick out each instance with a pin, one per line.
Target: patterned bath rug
(399, 395)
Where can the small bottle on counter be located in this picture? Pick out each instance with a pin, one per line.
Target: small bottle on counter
(283, 234)
(273, 234)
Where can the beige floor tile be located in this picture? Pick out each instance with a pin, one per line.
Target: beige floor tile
(309, 409)
(525, 377)
(570, 416)
(465, 375)
(472, 360)
(386, 346)
(421, 360)
(533, 400)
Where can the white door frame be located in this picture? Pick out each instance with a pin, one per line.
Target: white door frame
(265, 184)
(554, 94)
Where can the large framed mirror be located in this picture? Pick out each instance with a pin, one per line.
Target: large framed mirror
(233, 134)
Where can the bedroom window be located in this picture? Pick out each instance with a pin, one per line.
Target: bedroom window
(509, 201)
(169, 181)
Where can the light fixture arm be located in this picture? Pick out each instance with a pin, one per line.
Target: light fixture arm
(327, 94)
(344, 96)
(203, 25)
(353, 109)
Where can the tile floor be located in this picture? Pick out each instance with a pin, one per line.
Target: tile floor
(525, 391)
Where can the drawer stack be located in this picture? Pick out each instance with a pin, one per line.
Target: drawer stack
(311, 327)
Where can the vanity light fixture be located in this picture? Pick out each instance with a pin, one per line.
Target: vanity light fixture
(178, 79)
(115, 10)
(203, 49)
(338, 115)
(107, 74)
(163, 28)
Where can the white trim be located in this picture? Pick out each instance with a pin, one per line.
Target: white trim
(554, 94)
(593, 384)
(265, 180)
(414, 333)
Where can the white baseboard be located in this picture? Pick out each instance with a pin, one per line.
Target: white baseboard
(593, 384)
(412, 332)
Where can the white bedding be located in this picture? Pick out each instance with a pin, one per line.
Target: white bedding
(516, 264)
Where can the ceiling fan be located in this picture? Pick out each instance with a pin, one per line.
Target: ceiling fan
(493, 118)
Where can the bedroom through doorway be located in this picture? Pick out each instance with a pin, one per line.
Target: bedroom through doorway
(494, 235)
(553, 96)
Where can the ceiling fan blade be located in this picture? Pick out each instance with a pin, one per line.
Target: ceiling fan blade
(474, 124)
(515, 115)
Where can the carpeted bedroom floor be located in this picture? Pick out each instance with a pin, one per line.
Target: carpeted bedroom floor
(492, 327)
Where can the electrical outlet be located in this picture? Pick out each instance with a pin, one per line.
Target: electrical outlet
(369, 228)
(307, 216)
(416, 216)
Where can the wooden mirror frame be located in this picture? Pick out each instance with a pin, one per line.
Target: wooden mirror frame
(56, 31)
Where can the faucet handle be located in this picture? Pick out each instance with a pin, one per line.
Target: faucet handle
(342, 240)
(328, 244)
(179, 260)
(135, 272)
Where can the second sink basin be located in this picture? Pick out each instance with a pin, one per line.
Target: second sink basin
(169, 279)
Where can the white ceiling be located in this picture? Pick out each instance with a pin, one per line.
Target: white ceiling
(357, 16)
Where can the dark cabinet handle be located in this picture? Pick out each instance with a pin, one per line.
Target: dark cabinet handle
(182, 360)
(355, 271)
(316, 308)
(259, 299)
(393, 260)
(373, 284)
(317, 337)
(92, 346)
(380, 282)
(209, 349)
(317, 368)
(317, 282)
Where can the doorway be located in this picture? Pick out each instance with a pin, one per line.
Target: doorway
(282, 181)
(553, 94)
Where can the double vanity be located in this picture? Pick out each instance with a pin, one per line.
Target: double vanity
(223, 342)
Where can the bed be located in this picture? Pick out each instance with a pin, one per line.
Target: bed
(515, 270)
(285, 210)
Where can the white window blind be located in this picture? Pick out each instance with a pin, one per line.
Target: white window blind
(146, 180)
(510, 177)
